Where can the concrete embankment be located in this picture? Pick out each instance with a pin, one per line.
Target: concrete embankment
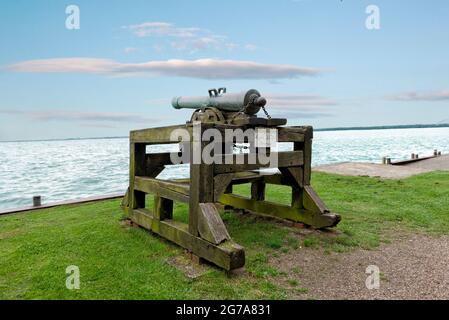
(386, 171)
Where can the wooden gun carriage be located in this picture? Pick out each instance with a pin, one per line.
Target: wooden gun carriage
(210, 186)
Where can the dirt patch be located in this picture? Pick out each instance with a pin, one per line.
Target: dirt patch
(415, 267)
(185, 264)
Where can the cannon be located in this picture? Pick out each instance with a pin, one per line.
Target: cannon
(220, 107)
(209, 189)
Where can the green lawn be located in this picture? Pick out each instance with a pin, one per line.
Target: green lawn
(121, 262)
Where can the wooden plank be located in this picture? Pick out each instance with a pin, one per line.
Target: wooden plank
(308, 217)
(306, 147)
(201, 181)
(291, 134)
(159, 135)
(165, 189)
(240, 162)
(258, 190)
(313, 202)
(163, 208)
(210, 225)
(221, 183)
(292, 176)
(227, 255)
(136, 167)
(251, 176)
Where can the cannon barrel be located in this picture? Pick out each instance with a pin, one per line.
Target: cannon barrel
(249, 101)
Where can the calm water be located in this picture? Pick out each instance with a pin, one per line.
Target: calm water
(62, 170)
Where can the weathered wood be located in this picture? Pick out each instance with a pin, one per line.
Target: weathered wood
(136, 167)
(159, 135)
(163, 208)
(201, 181)
(314, 219)
(240, 163)
(313, 202)
(294, 176)
(221, 183)
(256, 121)
(306, 147)
(227, 255)
(165, 189)
(205, 235)
(210, 225)
(258, 190)
(291, 134)
(125, 199)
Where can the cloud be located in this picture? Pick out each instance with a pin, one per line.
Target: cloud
(302, 115)
(80, 116)
(294, 101)
(250, 47)
(148, 29)
(201, 68)
(420, 96)
(182, 38)
(130, 49)
(296, 106)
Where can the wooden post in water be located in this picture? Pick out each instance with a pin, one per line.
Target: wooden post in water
(37, 201)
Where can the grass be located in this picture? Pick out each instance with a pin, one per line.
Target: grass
(120, 262)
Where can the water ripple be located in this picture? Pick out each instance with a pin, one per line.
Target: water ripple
(62, 170)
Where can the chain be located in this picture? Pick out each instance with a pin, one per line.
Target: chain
(266, 113)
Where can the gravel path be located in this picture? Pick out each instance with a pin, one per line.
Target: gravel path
(386, 171)
(415, 267)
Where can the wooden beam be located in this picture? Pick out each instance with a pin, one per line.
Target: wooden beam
(291, 134)
(240, 162)
(314, 219)
(163, 208)
(159, 135)
(136, 167)
(165, 189)
(221, 183)
(201, 181)
(227, 255)
(258, 190)
(210, 225)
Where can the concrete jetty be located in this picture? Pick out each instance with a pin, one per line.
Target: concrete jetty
(386, 171)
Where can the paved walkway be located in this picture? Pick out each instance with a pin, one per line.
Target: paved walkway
(386, 171)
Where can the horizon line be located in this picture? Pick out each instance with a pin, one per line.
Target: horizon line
(360, 128)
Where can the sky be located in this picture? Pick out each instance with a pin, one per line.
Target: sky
(318, 62)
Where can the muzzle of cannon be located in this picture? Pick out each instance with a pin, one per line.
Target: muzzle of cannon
(222, 107)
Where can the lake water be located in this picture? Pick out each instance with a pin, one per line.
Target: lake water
(71, 169)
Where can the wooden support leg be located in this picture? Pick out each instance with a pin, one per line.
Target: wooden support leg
(163, 208)
(201, 179)
(258, 190)
(137, 167)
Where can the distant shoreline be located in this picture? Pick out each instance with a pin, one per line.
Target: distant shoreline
(406, 126)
